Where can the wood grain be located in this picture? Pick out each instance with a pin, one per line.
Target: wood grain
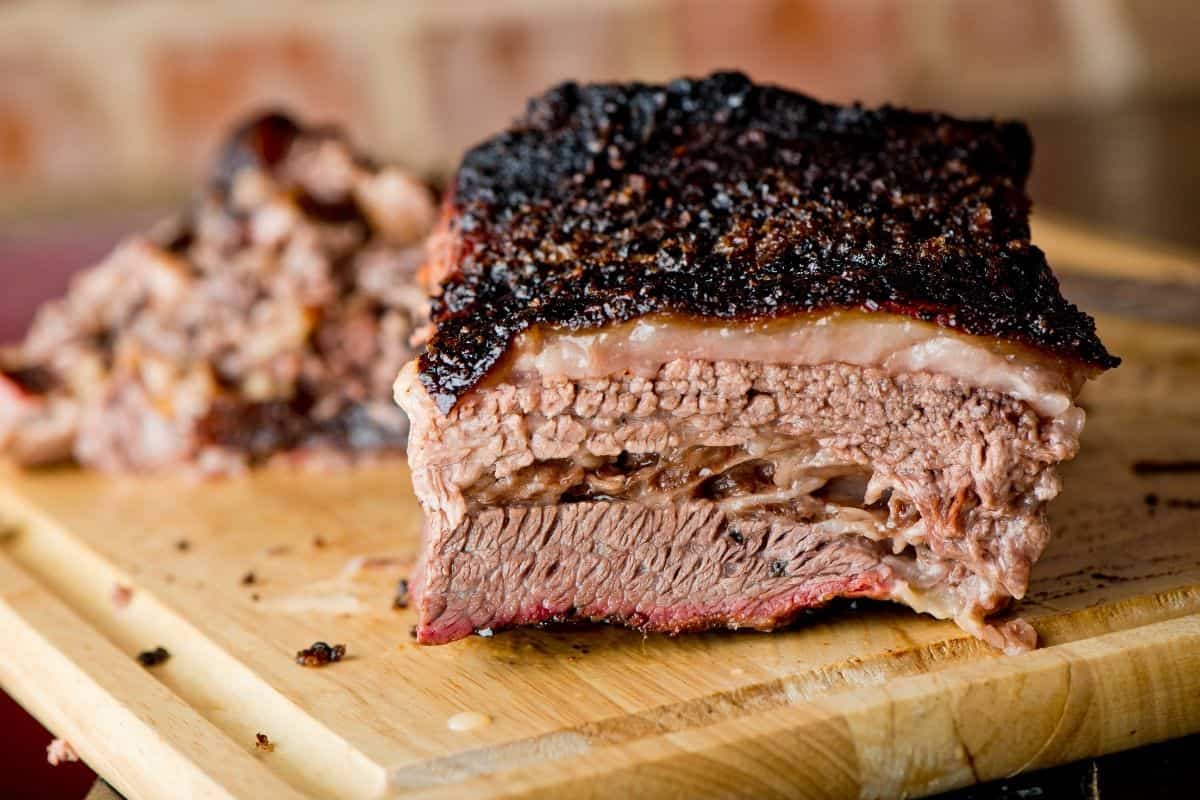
(865, 700)
(1071, 247)
(95, 696)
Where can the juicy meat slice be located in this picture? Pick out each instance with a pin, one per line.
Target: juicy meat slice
(921, 488)
(710, 353)
(269, 320)
(669, 568)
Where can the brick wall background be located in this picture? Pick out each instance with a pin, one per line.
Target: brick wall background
(116, 103)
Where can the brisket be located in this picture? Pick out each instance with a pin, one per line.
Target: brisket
(269, 320)
(711, 353)
(922, 489)
(722, 199)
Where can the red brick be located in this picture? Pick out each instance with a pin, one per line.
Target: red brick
(1006, 44)
(481, 73)
(201, 87)
(835, 50)
(50, 129)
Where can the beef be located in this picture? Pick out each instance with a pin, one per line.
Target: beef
(37, 425)
(669, 567)
(721, 199)
(710, 354)
(917, 487)
(267, 321)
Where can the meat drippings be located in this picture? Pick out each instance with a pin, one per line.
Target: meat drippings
(893, 343)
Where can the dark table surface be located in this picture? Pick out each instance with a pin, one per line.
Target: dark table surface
(1131, 171)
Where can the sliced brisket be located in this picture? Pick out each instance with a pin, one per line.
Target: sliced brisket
(711, 353)
(723, 199)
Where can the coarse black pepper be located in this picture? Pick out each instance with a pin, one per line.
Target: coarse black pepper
(152, 658)
(719, 198)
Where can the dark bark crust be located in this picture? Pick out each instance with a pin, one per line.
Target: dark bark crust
(723, 199)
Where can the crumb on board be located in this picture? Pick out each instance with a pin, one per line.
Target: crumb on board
(401, 599)
(264, 743)
(152, 658)
(320, 654)
(412, 632)
(60, 751)
(183, 545)
(319, 542)
(255, 597)
(121, 595)
(249, 579)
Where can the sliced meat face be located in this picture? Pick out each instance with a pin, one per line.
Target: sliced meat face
(893, 343)
(668, 567)
(844, 479)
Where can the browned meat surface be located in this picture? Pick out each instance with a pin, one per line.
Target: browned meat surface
(725, 200)
(270, 319)
(711, 353)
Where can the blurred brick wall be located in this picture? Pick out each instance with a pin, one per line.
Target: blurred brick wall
(102, 103)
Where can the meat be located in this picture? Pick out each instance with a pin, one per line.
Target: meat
(895, 344)
(908, 478)
(711, 353)
(268, 321)
(720, 199)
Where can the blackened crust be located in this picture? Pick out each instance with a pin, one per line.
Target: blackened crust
(720, 198)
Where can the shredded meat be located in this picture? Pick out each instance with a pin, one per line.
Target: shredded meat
(269, 319)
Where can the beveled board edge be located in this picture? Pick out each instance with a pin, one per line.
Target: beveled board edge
(122, 722)
(912, 736)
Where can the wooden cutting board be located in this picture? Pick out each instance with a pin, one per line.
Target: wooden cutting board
(875, 701)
